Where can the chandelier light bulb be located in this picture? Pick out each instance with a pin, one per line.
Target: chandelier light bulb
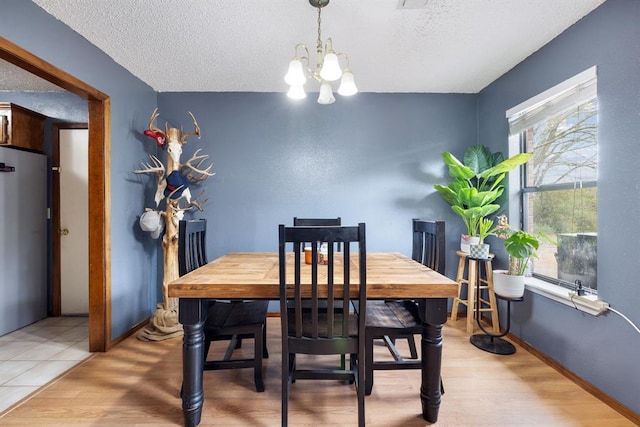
(347, 84)
(295, 75)
(331, 70)
(296, 92)
(326, 94)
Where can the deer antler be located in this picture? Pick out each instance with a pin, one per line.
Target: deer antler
(173, 214)
(196, 130)
(177, 211)
(182, 196)
(196, 173)
(154, 132)
(152, 119)
(158, 168)
(197, 203)
(174, 204)
(194, 203)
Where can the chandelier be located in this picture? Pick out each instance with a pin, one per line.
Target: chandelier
(327, 68)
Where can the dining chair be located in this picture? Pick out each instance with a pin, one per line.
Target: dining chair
(401, 319)
(309, 329)
(313, 222)
(230, 321)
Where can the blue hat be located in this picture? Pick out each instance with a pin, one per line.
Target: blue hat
(176, 180)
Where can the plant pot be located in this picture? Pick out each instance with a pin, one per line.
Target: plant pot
(467, 241)
(480, 251)
(506, 285)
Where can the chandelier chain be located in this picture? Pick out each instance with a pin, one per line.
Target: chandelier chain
(319, 41)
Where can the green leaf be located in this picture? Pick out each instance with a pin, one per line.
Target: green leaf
(489, 209)
(477, 158)
(481, 198)
(506, 165)
(521, 244)
(470, 217)
(457, 170)
(497, 180)
(497, 158)
(448, 195)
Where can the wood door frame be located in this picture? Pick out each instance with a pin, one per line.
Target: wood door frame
(99, 105)
(56, 288)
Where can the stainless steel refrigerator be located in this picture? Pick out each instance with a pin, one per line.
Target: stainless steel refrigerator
(23, 238)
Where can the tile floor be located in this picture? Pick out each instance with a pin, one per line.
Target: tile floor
(36, 354)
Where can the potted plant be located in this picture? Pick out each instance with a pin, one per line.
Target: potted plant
(485, 229)
(477, 182)
(521, 247)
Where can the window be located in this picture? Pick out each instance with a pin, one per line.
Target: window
(558, 186)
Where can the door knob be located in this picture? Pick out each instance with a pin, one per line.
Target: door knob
(64, 231)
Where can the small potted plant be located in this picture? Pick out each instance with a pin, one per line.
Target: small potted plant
(485, 229)
(521, 247)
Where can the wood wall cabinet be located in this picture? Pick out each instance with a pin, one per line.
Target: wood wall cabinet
(20, 127)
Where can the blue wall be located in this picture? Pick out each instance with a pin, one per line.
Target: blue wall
(134, 258)
(602, 350)
(370, 158)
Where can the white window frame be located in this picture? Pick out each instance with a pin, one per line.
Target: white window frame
(581, 87)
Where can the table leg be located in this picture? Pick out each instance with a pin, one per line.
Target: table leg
(435, 316)
(191, 316)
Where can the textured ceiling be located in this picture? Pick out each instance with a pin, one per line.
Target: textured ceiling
(445, 46)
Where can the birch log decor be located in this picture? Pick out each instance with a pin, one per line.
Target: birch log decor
(173, 182)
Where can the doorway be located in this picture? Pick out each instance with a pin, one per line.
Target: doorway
(70, 291)
(99, 178)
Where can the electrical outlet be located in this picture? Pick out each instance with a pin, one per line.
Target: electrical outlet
(588, 304)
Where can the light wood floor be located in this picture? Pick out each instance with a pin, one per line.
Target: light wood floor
(137, 383)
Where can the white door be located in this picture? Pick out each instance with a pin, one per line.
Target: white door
(74, 215)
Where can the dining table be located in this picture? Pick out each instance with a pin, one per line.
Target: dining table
(255, 275)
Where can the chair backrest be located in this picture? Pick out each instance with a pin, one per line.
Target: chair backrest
(192, 251)
(306, 285)
(314, 222)
(429, 243)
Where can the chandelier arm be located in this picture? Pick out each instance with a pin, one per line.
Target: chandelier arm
(346, 58)
(304, 60)
(328, 46)
(306, 51)
(316, 75)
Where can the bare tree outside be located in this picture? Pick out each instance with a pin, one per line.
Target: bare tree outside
(561, 194)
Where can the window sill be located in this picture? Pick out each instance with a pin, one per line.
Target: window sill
(589, 303)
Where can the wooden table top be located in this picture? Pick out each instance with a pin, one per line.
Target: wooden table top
(254, 275)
